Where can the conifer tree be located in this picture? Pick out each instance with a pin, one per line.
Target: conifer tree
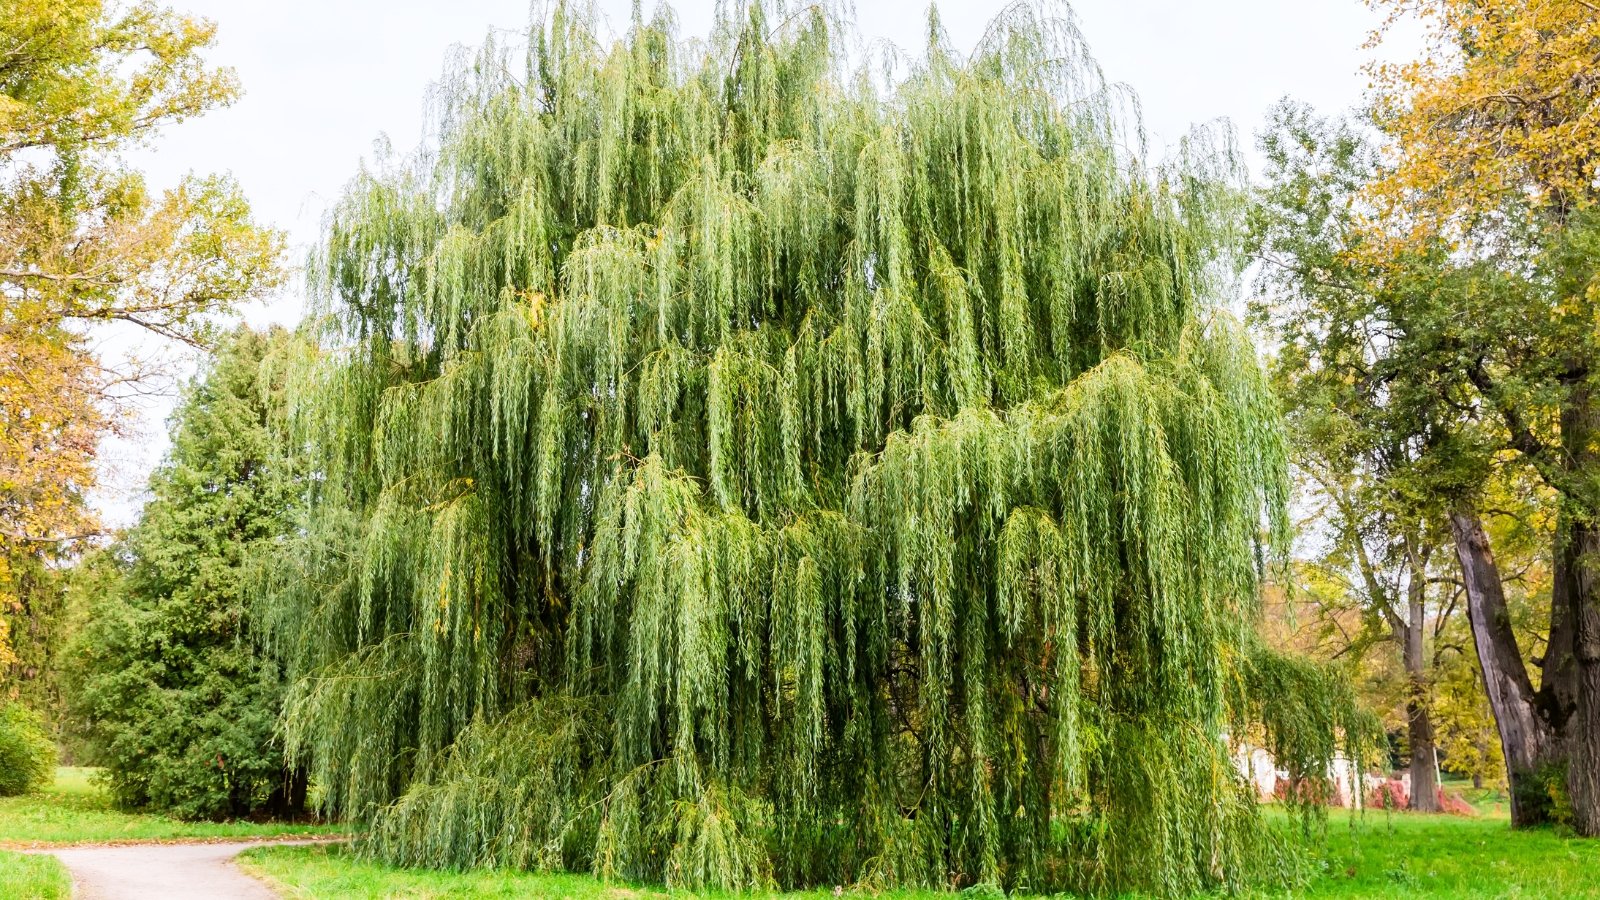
(165, 678)
(736, 468)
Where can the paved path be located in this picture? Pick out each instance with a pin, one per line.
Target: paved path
(162, 872)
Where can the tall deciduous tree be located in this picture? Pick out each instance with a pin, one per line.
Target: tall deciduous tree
(1369, 425)
(83, 242)
(1496, 153)
(166, 678)
(731, 470)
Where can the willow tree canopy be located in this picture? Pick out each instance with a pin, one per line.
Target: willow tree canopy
(736, 467)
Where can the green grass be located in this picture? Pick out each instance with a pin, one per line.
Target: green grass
(1489, 801)
(24, 877)
(1383, 856)
(75, 811)
(1403, 855)
(312, 873)
(329, 871)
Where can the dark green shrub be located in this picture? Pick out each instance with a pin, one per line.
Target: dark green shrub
(1544, 794)
(27, 757)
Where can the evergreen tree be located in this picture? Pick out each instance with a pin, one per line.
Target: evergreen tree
(734, 470)
(166, 680)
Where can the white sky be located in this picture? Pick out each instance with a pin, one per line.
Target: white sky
(323, 79)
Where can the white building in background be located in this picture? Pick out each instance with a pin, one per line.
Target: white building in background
(1258, 767)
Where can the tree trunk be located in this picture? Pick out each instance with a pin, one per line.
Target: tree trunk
(1583, 731)
(1558, 671)
(1424, 763)
(1424, 759)
(1524, 736)
(1580, 424)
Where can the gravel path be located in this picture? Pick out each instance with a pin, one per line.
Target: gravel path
(162, 872)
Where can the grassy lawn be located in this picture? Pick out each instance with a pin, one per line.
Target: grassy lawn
(33, 877)
(1403, 855)
(76, 811)
(1384, 855)
(313, 873)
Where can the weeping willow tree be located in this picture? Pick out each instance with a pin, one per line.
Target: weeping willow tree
(738, 468)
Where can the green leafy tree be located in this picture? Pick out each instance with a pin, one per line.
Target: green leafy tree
(1467, 735)
(167, 680)
(86, 244)
(1494, 149)
(1440, 368)
(733, 470)
(1374, 433)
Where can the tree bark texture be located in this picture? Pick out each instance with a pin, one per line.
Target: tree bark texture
(1524, 735)
(1580, 426)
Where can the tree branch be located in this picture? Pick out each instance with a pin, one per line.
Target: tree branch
(26, 538)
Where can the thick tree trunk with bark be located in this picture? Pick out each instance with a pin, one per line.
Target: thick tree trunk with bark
(1580, 425)
(1525, 736)
(1424, 761)
(1558, 671)
(1583, 730)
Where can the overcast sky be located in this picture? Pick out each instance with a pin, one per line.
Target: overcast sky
(323, 79)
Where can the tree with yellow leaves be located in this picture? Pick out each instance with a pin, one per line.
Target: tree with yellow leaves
(1495, 155)
(84, 242)
(1500, 114)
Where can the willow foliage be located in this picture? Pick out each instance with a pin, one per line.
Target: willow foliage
(737, 468)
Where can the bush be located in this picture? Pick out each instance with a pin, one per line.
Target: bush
(27, 757)
(1544, 794)
(1389, 794)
